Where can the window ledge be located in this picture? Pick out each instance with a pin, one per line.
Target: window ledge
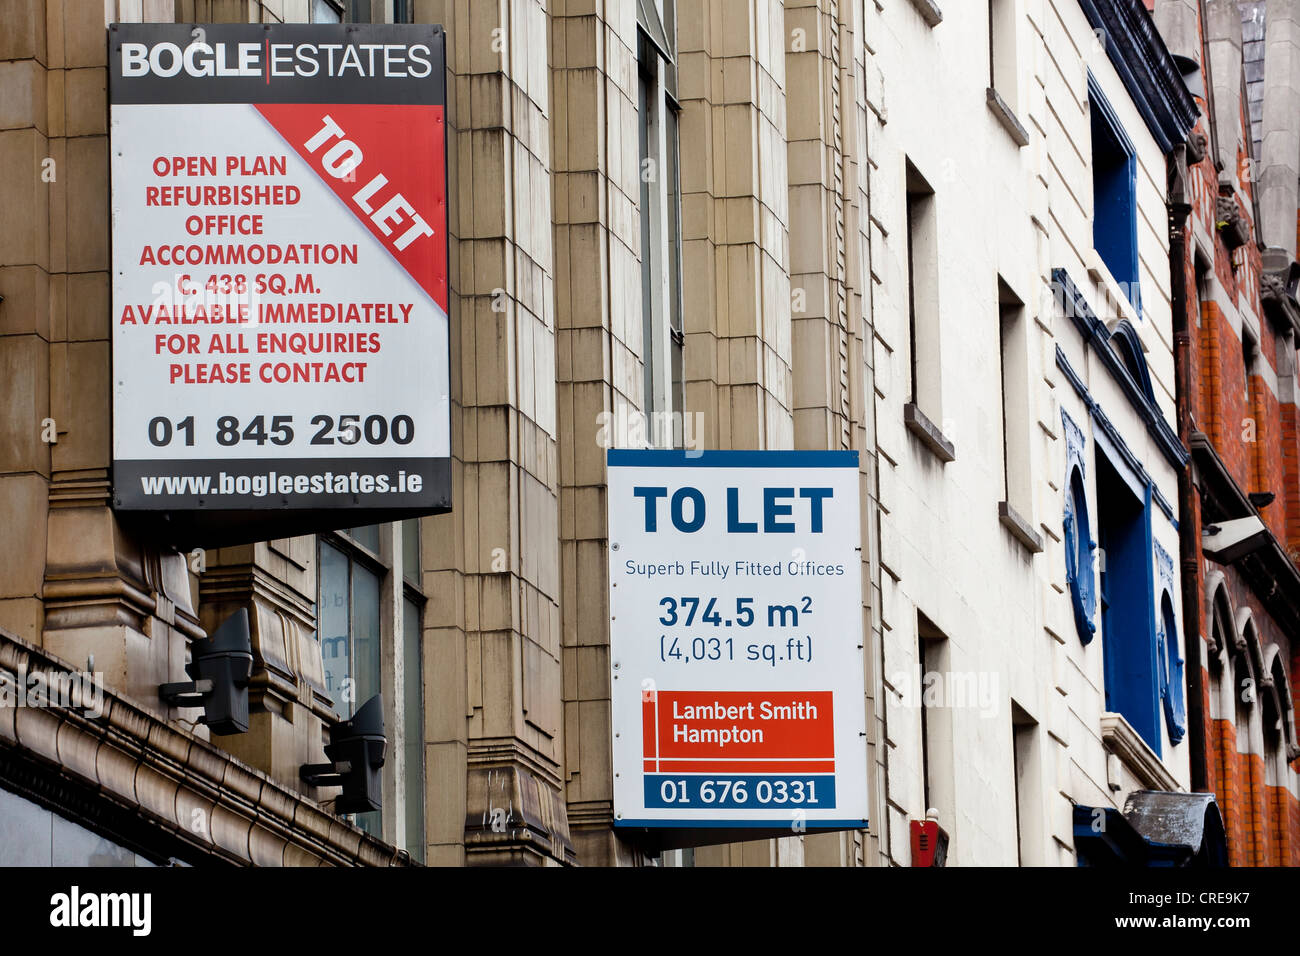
(928, 432)
(1100, 273)
(1019, 527)
(1119, 737)
(1007, 118)
(929, 11)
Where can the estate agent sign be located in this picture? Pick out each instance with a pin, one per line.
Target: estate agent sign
(736, 640)
(280, 334)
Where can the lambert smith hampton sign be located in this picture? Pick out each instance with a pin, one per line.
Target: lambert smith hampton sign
(280, 334)
(737, 658)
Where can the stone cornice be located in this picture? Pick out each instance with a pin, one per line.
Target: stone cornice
(1146, 68)
(1107, 427)
(188, 791)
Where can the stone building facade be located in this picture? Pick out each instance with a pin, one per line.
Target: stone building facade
(718, 224)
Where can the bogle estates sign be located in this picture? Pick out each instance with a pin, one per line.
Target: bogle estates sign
(737, 658)
(280, 335)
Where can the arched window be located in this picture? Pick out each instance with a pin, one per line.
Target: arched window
(1245, 679)
(1279, 714)
(1126, 344)
(1219, 615)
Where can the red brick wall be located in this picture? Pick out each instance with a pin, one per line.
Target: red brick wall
(1262, 822)
(1224, 411)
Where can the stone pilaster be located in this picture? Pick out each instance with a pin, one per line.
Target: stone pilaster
(599, 369)
(735, 222)
(493, 712)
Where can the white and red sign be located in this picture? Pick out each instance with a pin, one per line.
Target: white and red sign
(280, 329)
(735, 638)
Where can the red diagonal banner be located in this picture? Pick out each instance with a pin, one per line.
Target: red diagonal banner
(387, 164)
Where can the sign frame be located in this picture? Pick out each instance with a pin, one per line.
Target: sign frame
(386, 310)
(676, 520)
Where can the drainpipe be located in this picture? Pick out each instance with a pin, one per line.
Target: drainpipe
(1189, 545)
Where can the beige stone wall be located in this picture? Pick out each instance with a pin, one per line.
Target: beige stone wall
(545, 293)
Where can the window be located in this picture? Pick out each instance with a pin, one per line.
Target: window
(1013, 356)
(1002, 51)
(1129, 646)
(923, 299)
(1027, 770)
(326, 11)
(663, 335)
(1204, 291)
(1249, 357)
(1114, 195)
(363, 571)
(31, 835)
(349, 619)
(1245, 692)
(369, 11)
(937, 774)
(1255, 467)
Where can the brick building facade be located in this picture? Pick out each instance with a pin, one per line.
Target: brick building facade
(1234, 212)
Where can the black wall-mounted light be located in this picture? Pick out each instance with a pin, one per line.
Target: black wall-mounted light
(221, 667)
(1261, 499)
(356, 753)
(1229, 541)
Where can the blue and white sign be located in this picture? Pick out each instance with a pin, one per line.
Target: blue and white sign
(736, 644)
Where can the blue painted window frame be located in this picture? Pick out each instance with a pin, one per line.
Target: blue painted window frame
(1114, 201)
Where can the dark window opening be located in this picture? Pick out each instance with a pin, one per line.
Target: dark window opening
(922, 295)
(1114, 196)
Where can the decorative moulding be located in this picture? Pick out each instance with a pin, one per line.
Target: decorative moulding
(1119, 737)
